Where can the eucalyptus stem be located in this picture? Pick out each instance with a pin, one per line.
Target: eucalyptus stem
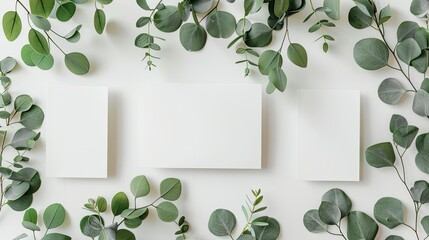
(341, 232)
(318, 20)
(286, 34)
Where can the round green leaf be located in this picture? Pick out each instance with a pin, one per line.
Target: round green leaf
(167, 19)
(54, 216)
(133, 223)
(222, 222)
(7, 65)
(26, 52)
(408, 50)
(270, 230)
(361, 226)
(260, 35)
(30, 226)
(99, 21)
(89, 229)
(280, 7)
(193, 37)
(44, 62)
(396, 122)
(201, 6)
(15, 191)
(340, 199)
(297, 55)
(77, 63)
(371, 54)
(269, 60)
(40, 22)
(421, 63)
(143, 21)
(12, 25)
(385, 14)
(119, 203)
(56, 236)
(334, 7)
(418, 188)
(425, 224)
(66, 11)
(389, 212)
(22, 203)
(394, 237)
(143, 40)
(167, 211)
(358, 19)
(38, 42)
(422, 143)
(422, 162)
(329, 213)
(243, 25)
(390, 91)
(34, 177)
(171, 189)
(419, 7)
(380, 155)
(404, 136)
(124, 234)
(140, 186)
(406, 30)
(421, 103)
(278, 78)
(252, 6)
(32, 118)
(313, 223)
(42, 8)
(30, 216)
(220, 24)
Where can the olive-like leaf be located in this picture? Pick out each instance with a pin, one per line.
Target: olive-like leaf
(99, 21)
(77, 63)
(12, 25)
(297, 54)
(361, 226)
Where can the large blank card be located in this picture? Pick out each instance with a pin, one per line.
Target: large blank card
(328, 135)
(77, 125)
(201, 126)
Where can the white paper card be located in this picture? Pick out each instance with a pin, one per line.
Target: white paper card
(328, 135)
(77, 125)
(201, 126)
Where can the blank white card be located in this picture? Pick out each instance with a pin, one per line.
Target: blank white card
(77, 125)
(328, 135)
(201, 126)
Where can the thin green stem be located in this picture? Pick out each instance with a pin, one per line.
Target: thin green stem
(285, 35)
(341, 232)
(318, 20)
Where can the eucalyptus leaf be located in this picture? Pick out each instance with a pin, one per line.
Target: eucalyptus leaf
(140, 186)
(21, 138)
(87, 229)
(30, 216)
(390, 91)
(12, 25)
(389, 212)
(201, 6)
(243, 25)
(40, 22)
(38, 42)
(269, 60)
(334, 7)
(425, 224)
(421, 103)
(371, 54)
(313, 223)
(99, 21)
(171, 189)
(14, 192)
(297, 55)
(408, 50)
(260, 35)
(329, 213)
(269, 231)
(340, 199)
(278, 78)
(220, 24)
(54, 216)
(30, 226)
(280, 7)
(406, 30)
(55, 236)
(422, 162)
(7, 65)
(361, 226)
(44, 62)
(380, 155)
(252, 6)
(167, 19)
(405, 135)
(119, 203)
(167, 211)
(222, 222)
(193, 37)
(124, 234)
(143, 4)
(77, 63)
(22, 203)
(419, 7)
(385, 14)
(42, 8)
(417, 189)
(396, 122)
(66, 11)
(394, 237)
(422, 143)
(421, 63)
(32, 118)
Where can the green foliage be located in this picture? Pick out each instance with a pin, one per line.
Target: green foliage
(18, 183)
(131, 215)
(222, 222)
(409, 51)
(53, 217)
(334, 208)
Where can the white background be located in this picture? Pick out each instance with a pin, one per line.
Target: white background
(116, 64)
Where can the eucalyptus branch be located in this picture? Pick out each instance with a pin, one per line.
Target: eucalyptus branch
(319, 21)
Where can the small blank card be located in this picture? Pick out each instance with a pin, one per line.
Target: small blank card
(201, 126)
(77, 124)
(328, 135)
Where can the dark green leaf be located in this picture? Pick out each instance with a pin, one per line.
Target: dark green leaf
(12, 25)
(222, 222)
(42, 8)
(361, 226)
(77, 63)
(334, 7)
(380, 155)
(313, 223)
(66, 11)
(389, 212)
(99, 21)
(404, 136)
(396, 122)
(119, 203)
(280, 7)
(406, 30)
(329, 213)
(143, 4)
(340, 199)
(56, 236)
(30, 216)
(220, 24)
(22, 203)
(193, 37)
(408, 50)
(419, 7)
(38, 42)
(385, 14)
(358, 19)
(168, 19)
(32, 118)
(268, 231)
(171, 189)
(371, 54)
(167, 211)
(260, 35)
(390, 91)
(278, 78)
(269, 60)
(54, 216)
(124, 234)
(297, 55)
